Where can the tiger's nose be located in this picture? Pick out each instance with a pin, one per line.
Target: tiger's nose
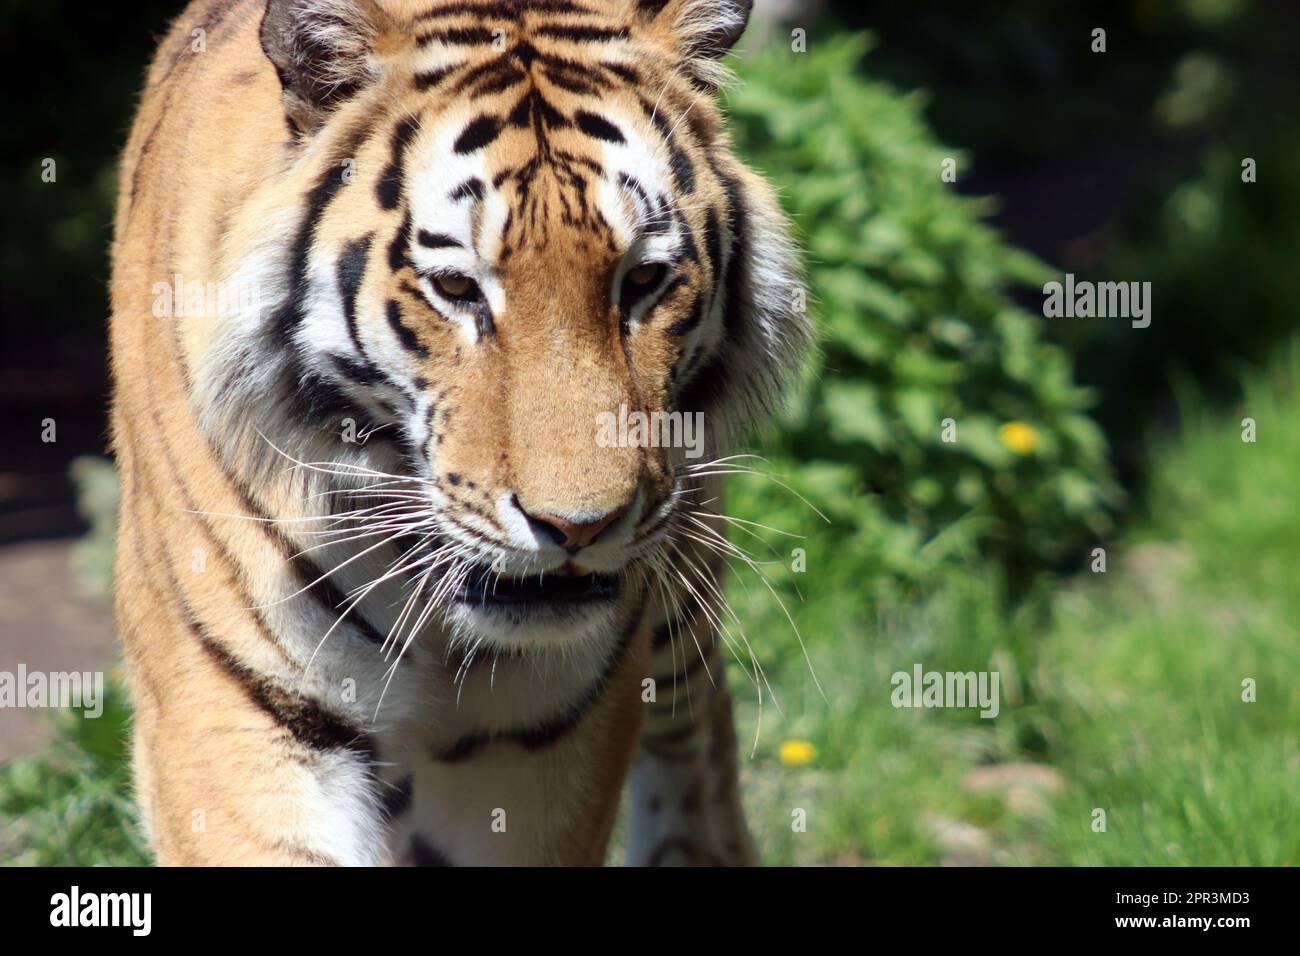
(568, 533)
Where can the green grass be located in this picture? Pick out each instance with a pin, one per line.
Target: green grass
(71, 806)
(1128, 684)
(1148, 681)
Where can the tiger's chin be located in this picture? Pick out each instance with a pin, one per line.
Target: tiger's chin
(535, 611)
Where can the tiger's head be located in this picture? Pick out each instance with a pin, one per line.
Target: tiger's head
(514, 249)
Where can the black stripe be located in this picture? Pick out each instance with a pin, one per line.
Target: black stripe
(306, 720)
(568, 82)
(581, 34)
(499, 81)
(321, 399)
(479, 133)
(485, 72)
(397, 249)
(496, 9)
(470, 187)
(535, 110)
(423, 299)
(692, 319)
(598, 127)
(464, 747)
(389, 189)
(575, 160)
(141, 159)
(625, 73)
(677, 282)
(683, 168)
(570, 69)
(237, 578)
(410, 341)
(289, 316)
(317, 400)
(427, 79)
(690, 251)
(415, 293)
(634, 185)
(661, 223)
(437, 240)
(351, 270)
(332, 598)
(706, 387)
(524, 53)
(363, 373)
(507, 10)
(713, 245)
(462, 36)
(738, 223)
(554, 6)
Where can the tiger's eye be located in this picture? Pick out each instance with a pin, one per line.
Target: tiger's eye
(456, 286)
(646, 274)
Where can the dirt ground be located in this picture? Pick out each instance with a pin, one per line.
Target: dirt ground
(48, 623)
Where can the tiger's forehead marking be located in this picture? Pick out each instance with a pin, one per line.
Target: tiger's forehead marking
(498, 167)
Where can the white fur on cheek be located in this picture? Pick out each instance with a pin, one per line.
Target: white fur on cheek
(434, 173)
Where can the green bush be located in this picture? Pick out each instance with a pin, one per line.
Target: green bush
(912, 293)
(72, 805)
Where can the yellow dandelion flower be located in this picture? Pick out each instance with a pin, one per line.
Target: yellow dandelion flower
(1019, 437)
(796, 753)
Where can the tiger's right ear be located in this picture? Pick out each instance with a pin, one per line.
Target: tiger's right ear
(323, 51)
(699, 33)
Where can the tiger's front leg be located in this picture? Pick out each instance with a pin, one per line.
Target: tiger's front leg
(264, 798)
(684, 793)
(232, 766)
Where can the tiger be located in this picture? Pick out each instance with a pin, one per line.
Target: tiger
(388, 592)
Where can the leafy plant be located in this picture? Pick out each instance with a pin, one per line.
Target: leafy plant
(71, 806)
(937, 421)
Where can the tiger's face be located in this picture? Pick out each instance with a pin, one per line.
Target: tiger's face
(544, 234)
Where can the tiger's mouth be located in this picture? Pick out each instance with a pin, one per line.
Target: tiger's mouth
(487, 588)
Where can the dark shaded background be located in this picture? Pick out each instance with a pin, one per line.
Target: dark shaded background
(1115, 165)
(1101, 162)
(75, 106)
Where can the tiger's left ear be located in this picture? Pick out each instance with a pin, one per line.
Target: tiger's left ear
(323, 51)
(700, 32)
